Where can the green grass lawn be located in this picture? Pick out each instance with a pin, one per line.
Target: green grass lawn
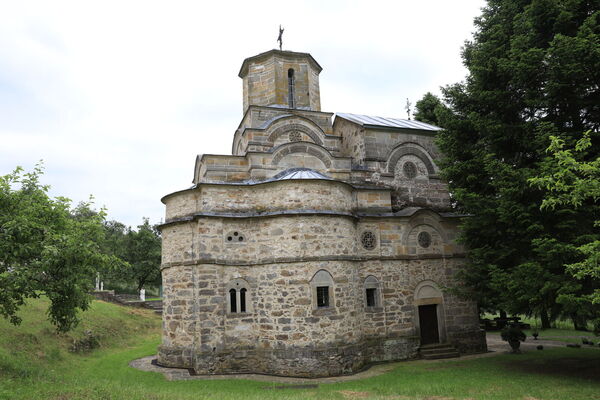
(35, 364)
(562, 335)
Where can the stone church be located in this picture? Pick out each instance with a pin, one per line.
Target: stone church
(324, 242)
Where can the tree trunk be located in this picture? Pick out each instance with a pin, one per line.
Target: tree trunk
(579, 322)
(545, 319)
(503, 314)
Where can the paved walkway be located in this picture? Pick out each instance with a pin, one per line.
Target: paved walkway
(495, 346)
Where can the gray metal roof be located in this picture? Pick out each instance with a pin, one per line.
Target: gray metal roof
(298, 173)
(366, 120)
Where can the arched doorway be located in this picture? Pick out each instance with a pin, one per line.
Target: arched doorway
(429, 315)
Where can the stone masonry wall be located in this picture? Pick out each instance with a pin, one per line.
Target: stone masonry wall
(380, 142)
(284, 333)
(275, 196)
(259, 84)
(292, 237)
(266, 82)
(353, 142)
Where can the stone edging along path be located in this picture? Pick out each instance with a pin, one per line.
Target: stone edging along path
(495, 346)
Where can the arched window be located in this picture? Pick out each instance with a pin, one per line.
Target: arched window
(243, 300)
(372, 292)
(322, 290)
(238, 300)
(232, 300)
(291, 88)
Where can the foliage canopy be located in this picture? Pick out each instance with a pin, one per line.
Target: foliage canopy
(534, 72)
(47, 247)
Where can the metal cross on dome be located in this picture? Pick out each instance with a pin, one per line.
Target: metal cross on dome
(280, 38)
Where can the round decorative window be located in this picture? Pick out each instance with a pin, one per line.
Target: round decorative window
(295, 136)
(234, 237)
(410, 169)
(368, 240)
(424, 239)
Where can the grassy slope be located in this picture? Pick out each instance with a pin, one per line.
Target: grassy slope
(34, 364)
(33, 348)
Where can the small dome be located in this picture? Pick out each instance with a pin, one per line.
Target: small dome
(298, 173)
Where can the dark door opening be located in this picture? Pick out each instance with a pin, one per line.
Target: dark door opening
(428, 323)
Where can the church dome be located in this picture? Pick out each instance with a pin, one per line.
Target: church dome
(299, 173)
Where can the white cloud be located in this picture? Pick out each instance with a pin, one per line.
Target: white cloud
(119, 96)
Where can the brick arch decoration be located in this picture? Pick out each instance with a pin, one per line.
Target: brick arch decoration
(427, 289)
(301, 147)
(427, 292)
(402, 150)
(314, 132)
(428, 218)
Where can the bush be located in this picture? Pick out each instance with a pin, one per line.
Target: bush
(514, 336)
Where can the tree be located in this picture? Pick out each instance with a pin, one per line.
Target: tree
(46, 248)
(114, 244)
(572, 178)
(427, 109)
(143, 253)
(534, 71)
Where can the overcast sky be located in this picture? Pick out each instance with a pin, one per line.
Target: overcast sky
(118, 97)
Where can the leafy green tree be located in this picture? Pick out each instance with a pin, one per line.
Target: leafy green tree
(534, 71)
(571, 176)
(427, 109)
(143, 253)
(114, 244)
(140, 251)
(46, 248)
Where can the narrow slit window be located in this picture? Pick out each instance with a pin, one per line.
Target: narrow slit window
(291, 88)
(371, 297)
(232, 300)
(243, 300)
(322, 296)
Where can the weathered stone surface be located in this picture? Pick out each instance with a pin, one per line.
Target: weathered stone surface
(375, 225)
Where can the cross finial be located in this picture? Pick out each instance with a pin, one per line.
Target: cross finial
(280, 38)
(407, 108)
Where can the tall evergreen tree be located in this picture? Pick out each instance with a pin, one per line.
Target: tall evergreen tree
(534, 71)
(427, 109)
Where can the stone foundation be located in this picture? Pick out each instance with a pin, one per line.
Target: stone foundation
(282, 332)
(310, 361)
(306, 362)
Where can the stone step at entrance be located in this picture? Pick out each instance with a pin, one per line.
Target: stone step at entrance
(438, 351)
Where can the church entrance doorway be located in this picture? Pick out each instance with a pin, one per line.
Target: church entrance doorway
(428, 322)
